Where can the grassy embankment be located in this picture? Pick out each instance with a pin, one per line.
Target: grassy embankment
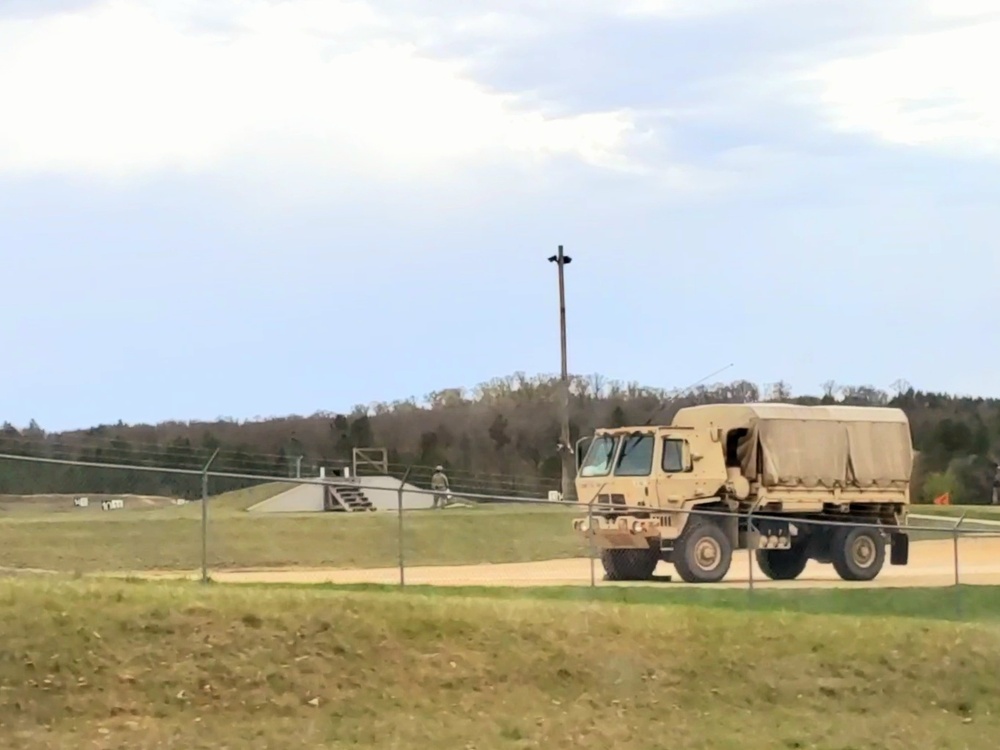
(120, 665)
(964, 603)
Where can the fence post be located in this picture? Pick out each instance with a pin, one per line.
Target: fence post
(590, 542)
(591, 535)
(399, 514)
(204, 518)
(958, 588)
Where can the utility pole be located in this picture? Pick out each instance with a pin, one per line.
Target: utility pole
(565, 448)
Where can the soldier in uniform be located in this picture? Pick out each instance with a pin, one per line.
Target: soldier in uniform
(996, 486)
(439, 483)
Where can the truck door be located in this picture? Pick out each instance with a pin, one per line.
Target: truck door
(673, 473)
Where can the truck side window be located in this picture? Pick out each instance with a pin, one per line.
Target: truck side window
(733, 445)
(636, 459)
(673, 456)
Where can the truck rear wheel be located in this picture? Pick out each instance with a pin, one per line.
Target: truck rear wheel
(703, 552)
(858, 552)
(783, 564)
(629, 564)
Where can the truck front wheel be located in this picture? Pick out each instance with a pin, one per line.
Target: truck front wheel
(703, 552)
(858, 552)
(783, 564)
(629, 564)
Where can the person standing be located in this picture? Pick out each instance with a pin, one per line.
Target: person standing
(441, 487)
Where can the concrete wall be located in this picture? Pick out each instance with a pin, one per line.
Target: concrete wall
(306, 498)
(383, 491)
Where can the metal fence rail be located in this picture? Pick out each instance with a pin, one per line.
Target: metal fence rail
(412, 529)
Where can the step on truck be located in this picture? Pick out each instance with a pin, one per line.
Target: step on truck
(792, 483)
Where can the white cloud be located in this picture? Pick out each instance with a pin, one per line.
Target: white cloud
(698, 8)
(127, 88)
(935, 89)
(522, 17)
(961, 8)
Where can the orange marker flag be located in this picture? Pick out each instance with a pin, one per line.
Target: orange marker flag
(944, 499)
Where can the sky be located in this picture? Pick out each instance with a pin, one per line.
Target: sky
(247, 208)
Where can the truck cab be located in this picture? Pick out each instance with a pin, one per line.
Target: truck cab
(649, 467)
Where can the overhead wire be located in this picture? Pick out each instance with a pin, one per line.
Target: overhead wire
(148, 461)
(147, 454)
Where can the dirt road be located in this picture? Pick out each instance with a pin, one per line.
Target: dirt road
(932, 563)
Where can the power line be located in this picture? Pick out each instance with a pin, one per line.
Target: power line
(152, 461)
(196, 457)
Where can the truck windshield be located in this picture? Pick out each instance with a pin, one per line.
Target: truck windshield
(636, 459)
(597, 462)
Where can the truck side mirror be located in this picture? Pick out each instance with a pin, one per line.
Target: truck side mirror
(688, 457)
(581, 451)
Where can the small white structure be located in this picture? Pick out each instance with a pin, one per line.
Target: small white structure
(112, 504)
(180, 501)
(555, 496)
(81, 502)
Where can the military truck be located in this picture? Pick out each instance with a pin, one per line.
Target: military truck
(761, 477)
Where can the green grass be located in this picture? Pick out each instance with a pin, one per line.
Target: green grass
(60, 504)
(963, 603)
(60, 507)
(982, 512)
(170, 538)
(143, 666)
(248, 497)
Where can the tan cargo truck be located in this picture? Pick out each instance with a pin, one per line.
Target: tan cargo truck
(761, 477)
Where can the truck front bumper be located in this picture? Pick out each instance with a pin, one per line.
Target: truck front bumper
(624, 532)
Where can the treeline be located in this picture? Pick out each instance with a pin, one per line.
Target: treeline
(500, 437)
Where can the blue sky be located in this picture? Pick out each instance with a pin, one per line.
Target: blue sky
(251, 208)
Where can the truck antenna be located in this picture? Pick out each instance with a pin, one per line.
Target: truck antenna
(695, 384)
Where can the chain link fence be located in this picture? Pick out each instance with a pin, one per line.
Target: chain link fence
(384, 530)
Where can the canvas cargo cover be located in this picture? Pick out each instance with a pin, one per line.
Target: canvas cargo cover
(827, 453)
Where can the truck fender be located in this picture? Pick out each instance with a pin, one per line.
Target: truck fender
(728, 523)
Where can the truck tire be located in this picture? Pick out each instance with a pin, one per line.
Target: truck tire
(783, 564)
(858, 552)
(703, 552)
(629, 564)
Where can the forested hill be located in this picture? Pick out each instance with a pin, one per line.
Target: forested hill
(501, 436)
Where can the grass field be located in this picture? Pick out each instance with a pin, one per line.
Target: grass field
(35, 504)
(149, 537)
(126, 665)
(170, 538)
(972, 512)
(44, 506)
